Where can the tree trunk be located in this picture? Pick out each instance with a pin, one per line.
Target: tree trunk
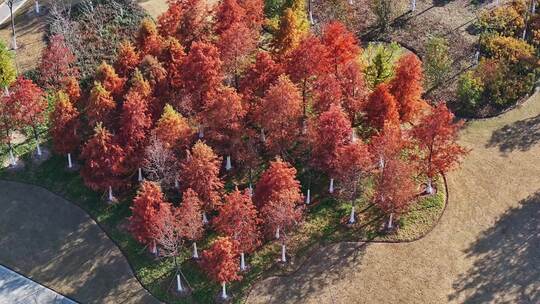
(331, 188)
(250, 190)
(413, 5)
(13, 26)
(70, 163)
(176, 185)
(277, 233)
(111, 197)
(390, 221)
(228, 165)
(179, 286)
(223, 291)
(263, 137)
(242, 262)
(12, 159)
(6, 91)
(140, 177)
(36, 137)
(308, 197)
(204, 218)
(195, 252)
(201, 131)
(351, 217)
(429, 188)
(153, 248)
(283, 253)
(311, 13)
(37, 7)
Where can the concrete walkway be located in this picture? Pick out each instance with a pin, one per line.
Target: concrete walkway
(5, 14)
(17, 289)
(55, 243)
(486, 248)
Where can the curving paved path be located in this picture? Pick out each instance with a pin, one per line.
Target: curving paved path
(55, 243)
(486, 249)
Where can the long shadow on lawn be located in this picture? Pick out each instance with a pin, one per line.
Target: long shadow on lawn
(507, 260)
(323, 269)
(520, 135)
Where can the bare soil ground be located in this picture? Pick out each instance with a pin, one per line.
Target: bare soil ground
(486, 248)
(55, 243)
(154, 7)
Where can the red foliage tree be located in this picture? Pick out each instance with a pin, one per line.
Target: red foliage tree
(388, 144)
(202, 73)
(229, 13)
(72, 89)
(341, 44)
(381, 107)
(223, 117)
(186, 20)
(146, 213)
(169, 21)
(127, 59)
(104, 158)
(200, 172)
(329, 131)
(354, 89)
(236, 44)
(259, 76)
(135, 123)
(140, 85)
(406, 86)
(174, 130)
(436, 136)
(279, 114)
(174, 56)
(307, 61)
(106, 75)
(394, 188)
(149, 42)
(277, 183)
(327, 91)
(254, 16)
(219, 262)
(283, 210)
(57, 63)
(64, 126)
(353, 163)
(189, 218)
(101, 106)
(238, 219)
(28, 105)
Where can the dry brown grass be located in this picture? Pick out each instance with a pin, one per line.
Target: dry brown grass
(485, 249)
(154, 7)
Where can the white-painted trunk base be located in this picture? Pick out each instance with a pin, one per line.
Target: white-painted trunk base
(140, 177)
(12, 158)
(283, 254)
(111, 197)
(250, 190)
(37, 7)
(201, 131)
(70, 163)
(223, 291)
(242, 262)
(277, 233)
(352, 219)
(263, 137)
(308, 197)
(179, 286)
(195, 251)
(331, 188)
(38, 148)
(413, 5)
(228, 165)
(429, 188)
(176, 184)
(204, 218)
(390, 221)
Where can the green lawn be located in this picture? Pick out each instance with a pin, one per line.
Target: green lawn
(321, 226)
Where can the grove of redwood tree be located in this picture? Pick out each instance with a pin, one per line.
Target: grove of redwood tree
(239, 220)
(103, 168)
(64, 126)
(436, 136)
(189, 216)
(220, 264)
(200, 172)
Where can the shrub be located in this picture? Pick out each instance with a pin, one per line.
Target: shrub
(470, 91)
(437, 62)
(507, 20)
(379, 60)
(508, 49)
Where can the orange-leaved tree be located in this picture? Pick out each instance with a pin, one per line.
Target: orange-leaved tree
(436, 136)
(238, 219)
(381, 107)
(220, 264)
(64, 126)
(200, 172)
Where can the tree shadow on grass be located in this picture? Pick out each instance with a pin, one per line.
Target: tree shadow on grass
(520, 135)
(320, 271)
(507, 260)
